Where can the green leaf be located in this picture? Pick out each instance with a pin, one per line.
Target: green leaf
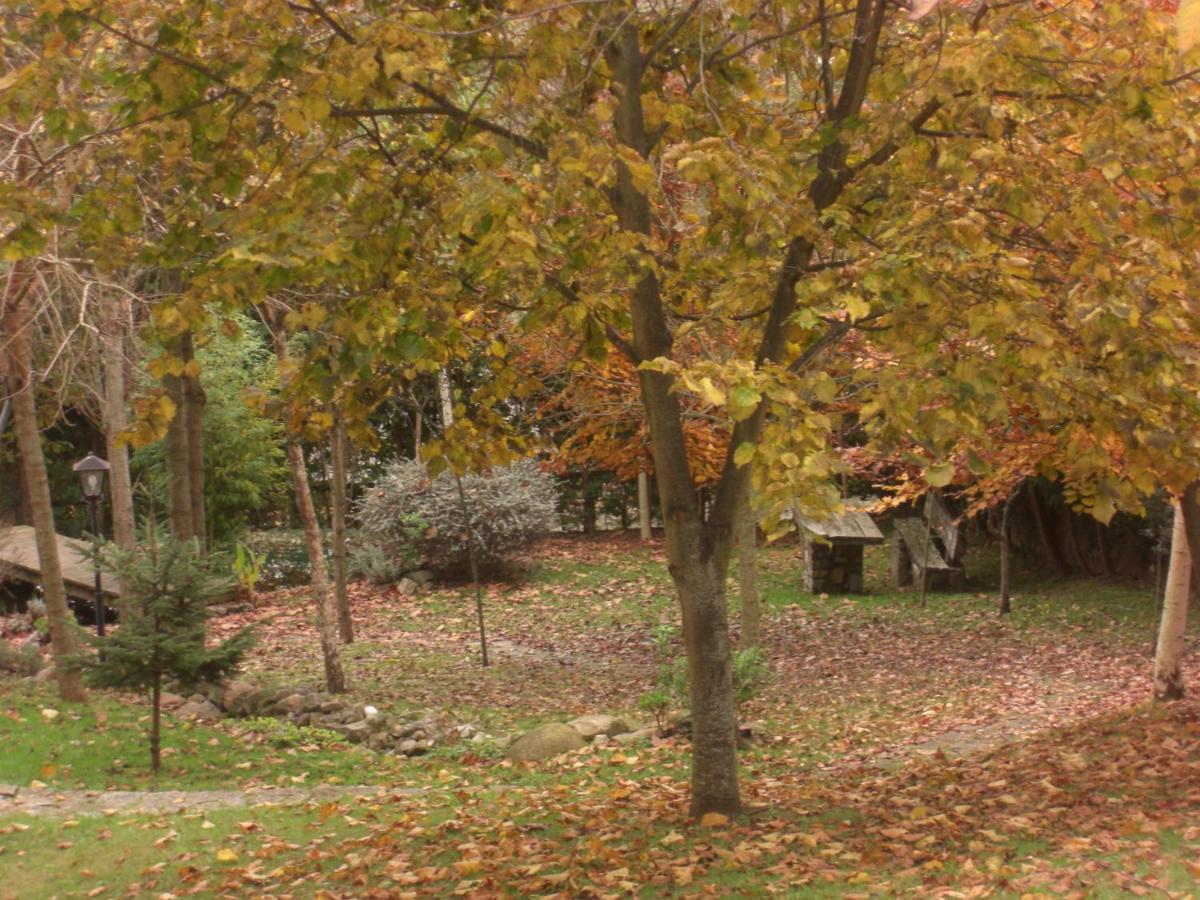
(939, 475)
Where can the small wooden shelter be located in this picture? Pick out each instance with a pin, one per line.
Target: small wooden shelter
(833, 549)
(19, 562)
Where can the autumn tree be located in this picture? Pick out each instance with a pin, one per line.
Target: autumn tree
(794, 174)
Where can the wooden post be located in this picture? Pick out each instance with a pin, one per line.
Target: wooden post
(644, 504)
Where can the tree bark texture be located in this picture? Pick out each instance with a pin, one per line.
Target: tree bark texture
(17, 323)
(114, 330)
(338, 526)
(747, 541)
(1168, 675)
(335, 678)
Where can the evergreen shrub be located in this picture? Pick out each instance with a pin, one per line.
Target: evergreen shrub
(408, 513)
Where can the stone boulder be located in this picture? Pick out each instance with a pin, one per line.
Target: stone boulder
(200, 710)
(637, 736)
(170, 702)
(544, 743)
(589, 727)
(234, 692)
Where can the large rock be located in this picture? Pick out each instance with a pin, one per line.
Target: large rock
(423, 577)
(356, 732)
(292, 703)
(591, 726)
(46, 674)
(634, 737)
(170, 702)
(200, 710)
(234, 693)
(543, 743)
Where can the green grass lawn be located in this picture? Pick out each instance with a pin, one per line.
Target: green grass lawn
(217, 852)
(104, 745)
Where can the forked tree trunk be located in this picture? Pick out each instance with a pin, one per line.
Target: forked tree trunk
(113, 335)
(1168, 676)
(338, 526)
(16, 327)
(335, 678)
(747, 541)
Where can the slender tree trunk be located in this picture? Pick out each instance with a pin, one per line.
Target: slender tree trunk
(1053, 553)
(644, 504)
(155, 724)
(747, 541)
(341, 590)
(589, 503)
(195, 400)
(446, 398)
(116, 419)
(16, 319)
(335, 678)
(1006, 554)
(177, 463)
(1168, 676)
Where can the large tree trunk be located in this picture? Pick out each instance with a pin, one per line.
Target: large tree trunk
(113, 335)
(335, 678)
(747, 541)
(17, 321)
(697, 552)
(699, 578)
(1168, 676)
(338, 526)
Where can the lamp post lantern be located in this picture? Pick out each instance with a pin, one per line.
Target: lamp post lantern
(91, 470)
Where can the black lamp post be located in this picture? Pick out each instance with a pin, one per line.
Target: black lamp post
(91, 470)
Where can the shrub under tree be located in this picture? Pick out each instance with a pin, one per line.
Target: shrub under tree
(167, 585)
(409, 513)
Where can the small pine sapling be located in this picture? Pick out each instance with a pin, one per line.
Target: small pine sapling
(167, 585)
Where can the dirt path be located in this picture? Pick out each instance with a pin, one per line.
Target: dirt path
(47, 802)
(1061, 704)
